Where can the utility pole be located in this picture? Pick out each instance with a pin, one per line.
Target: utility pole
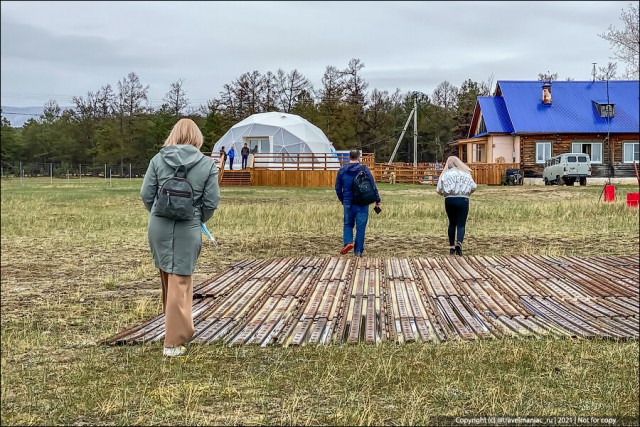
(593, 72)
(415, 132)
(395, 150)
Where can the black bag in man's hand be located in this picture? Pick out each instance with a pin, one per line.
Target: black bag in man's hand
(363, 192)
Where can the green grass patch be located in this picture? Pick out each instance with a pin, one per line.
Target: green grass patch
(76, 268)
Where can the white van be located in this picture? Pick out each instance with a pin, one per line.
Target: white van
(567, 169)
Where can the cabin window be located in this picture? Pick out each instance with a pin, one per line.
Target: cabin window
(483, 127)
(593, 149)
(479, 153)
(605, 110)
(631, 152)
(543, 151)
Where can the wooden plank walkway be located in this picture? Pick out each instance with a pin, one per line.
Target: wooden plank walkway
(300, 301)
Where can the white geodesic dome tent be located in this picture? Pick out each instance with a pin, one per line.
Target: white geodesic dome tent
(281, 134)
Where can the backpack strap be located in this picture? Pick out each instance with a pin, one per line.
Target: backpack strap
(184, 169)
(181, 168)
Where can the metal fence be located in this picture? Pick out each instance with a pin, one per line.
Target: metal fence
(71, 171)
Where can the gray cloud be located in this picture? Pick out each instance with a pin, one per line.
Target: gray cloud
(69, 48)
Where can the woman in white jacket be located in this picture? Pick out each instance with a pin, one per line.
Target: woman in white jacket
(456, 184)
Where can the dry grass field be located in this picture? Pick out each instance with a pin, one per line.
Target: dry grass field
(76, 268)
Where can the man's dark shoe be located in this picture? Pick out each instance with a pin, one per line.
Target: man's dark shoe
(452, 251)
(346, 248)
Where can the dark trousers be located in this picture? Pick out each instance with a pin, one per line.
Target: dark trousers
(244, 161)
(457, 209)
(230, 163)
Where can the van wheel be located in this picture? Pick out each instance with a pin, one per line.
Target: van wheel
(583, 180)
(546, 181)
(559, 180)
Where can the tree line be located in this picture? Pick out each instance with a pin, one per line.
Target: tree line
(117, 126)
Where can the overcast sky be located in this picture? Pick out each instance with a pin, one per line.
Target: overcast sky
(55, 50)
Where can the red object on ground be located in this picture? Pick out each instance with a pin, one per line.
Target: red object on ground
(632, 199)
(609, 193)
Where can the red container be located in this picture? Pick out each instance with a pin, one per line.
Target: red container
(632, 200)
(609, 193)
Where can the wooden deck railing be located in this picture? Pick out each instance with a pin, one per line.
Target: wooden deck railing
(301, 161)
(425, 173)
(483, 173)
(400, 174)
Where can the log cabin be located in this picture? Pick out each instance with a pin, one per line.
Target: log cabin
(526, 122)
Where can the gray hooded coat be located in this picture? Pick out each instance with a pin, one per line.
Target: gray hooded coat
(175, 245)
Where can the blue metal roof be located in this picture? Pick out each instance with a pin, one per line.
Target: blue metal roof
(572, 109)
(494, 112)
(481, 135)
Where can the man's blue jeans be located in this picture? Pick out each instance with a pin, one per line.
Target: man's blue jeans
(357, 216)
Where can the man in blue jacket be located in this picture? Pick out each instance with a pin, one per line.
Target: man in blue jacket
(354, 215)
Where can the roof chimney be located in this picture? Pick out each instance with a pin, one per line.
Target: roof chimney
(546, 93)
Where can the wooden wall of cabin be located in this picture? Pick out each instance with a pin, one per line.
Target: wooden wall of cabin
(562, 144)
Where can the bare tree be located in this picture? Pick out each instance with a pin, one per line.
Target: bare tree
(333, 86)
(85, 109)
(105, 101)
(132, 100)
(248, 90)
(485, 87)
(176, 98)
(269, 92)
(607, 73)
(51, 112)
(132, 96)
(355, 85)
(290, 87)
(227, 101)
(445, 95)
(626, 42)
(547, 77)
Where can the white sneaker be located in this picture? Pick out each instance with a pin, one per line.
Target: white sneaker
(174, 351)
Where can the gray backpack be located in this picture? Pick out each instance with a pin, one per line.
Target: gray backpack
(175, 199)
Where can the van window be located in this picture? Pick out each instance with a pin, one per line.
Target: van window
(582, 158)
(571, 159)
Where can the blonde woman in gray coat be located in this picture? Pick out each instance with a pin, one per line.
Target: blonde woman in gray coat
(175, 245)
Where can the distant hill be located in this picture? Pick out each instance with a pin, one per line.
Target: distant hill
(18, 116)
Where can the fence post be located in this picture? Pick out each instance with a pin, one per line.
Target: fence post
(109, 177)
(105, 171)
(129, 173)
(21, 175)
(51, 172)
(67, 175)
(80, 174)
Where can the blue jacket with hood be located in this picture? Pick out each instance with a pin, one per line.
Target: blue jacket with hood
(344, 180)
